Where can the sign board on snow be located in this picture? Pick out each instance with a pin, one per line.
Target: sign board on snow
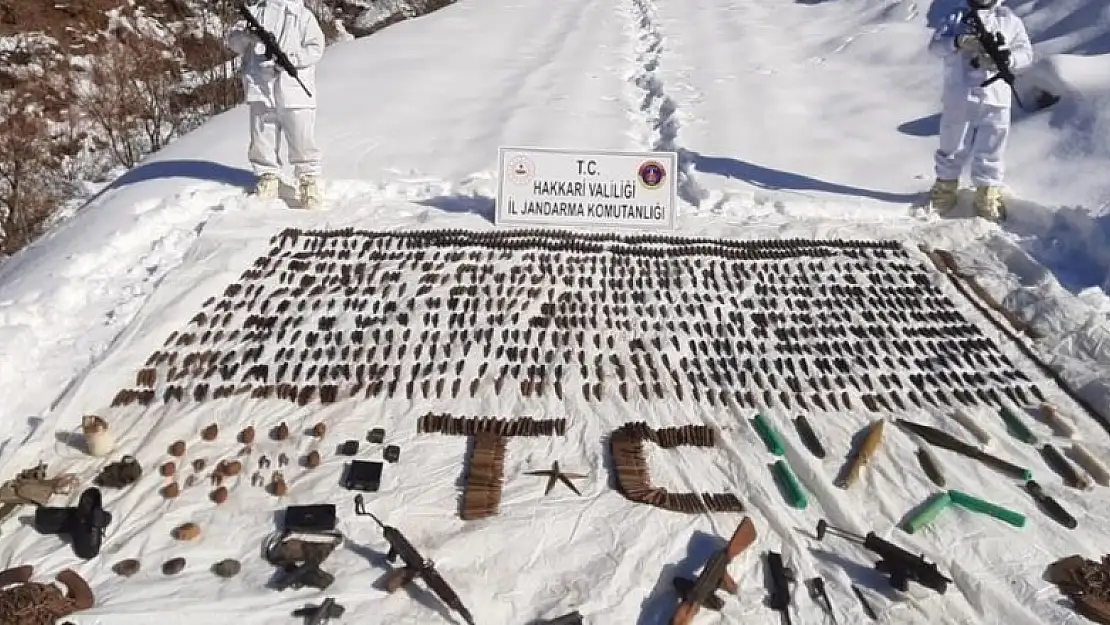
(553, 187)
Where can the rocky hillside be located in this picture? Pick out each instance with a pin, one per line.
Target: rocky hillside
(90, 87)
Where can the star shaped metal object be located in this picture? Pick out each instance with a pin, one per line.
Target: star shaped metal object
(554, 473)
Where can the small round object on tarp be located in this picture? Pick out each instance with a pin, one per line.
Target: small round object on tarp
(392, 453)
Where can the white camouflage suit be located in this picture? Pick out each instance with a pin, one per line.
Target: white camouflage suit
(278, 104)
(975, 120)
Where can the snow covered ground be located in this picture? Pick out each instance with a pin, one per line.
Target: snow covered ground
(805, 120)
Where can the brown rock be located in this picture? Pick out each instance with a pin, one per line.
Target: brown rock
(281, 432)
(199, 464)
(174, 566)
(168, 469)
(219, 495)
(177, 449)
(247, 435)
(209, 433)
(226, 568)
(230, 468)
(126, 568)
(278, 487)
(171, 490)
(312, 460)
(319, 430)
(187, 531)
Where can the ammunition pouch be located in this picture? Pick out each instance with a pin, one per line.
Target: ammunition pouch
(1086, 582)
(308, 574)
(300, 558)
(124, 472)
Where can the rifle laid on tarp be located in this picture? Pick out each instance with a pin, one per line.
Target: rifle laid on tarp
(992, 44)
(273, 50)
(415, 565)
(901, 565)
(702, 592)
(940, 438)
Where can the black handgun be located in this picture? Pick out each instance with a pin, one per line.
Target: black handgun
(781, 577)
(319, 615)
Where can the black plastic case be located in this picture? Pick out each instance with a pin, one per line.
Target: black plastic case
(315, 518)
(392, 453)
(364, 476)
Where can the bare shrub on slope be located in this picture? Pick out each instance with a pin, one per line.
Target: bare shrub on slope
(214, 83)
(116, 81)
(27, 193)
(132, 95)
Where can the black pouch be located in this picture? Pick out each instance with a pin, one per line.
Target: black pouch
(314, 518)
(364, 476)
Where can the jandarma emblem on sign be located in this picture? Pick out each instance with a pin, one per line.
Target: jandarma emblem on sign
(651, 174)
(521, 170)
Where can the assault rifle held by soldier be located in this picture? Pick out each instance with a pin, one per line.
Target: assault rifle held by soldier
(702, 592)
(415, 566)
(273, 51)
(901, 565)
(992, 44)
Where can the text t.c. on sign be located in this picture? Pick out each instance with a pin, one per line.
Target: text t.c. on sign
(568, 188)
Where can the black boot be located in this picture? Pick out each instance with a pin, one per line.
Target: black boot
(87, 524)
(52, 520)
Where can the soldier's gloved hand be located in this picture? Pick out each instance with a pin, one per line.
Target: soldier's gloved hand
(267, 59)
(1007, 57)
(987, 63)
(969, 44)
